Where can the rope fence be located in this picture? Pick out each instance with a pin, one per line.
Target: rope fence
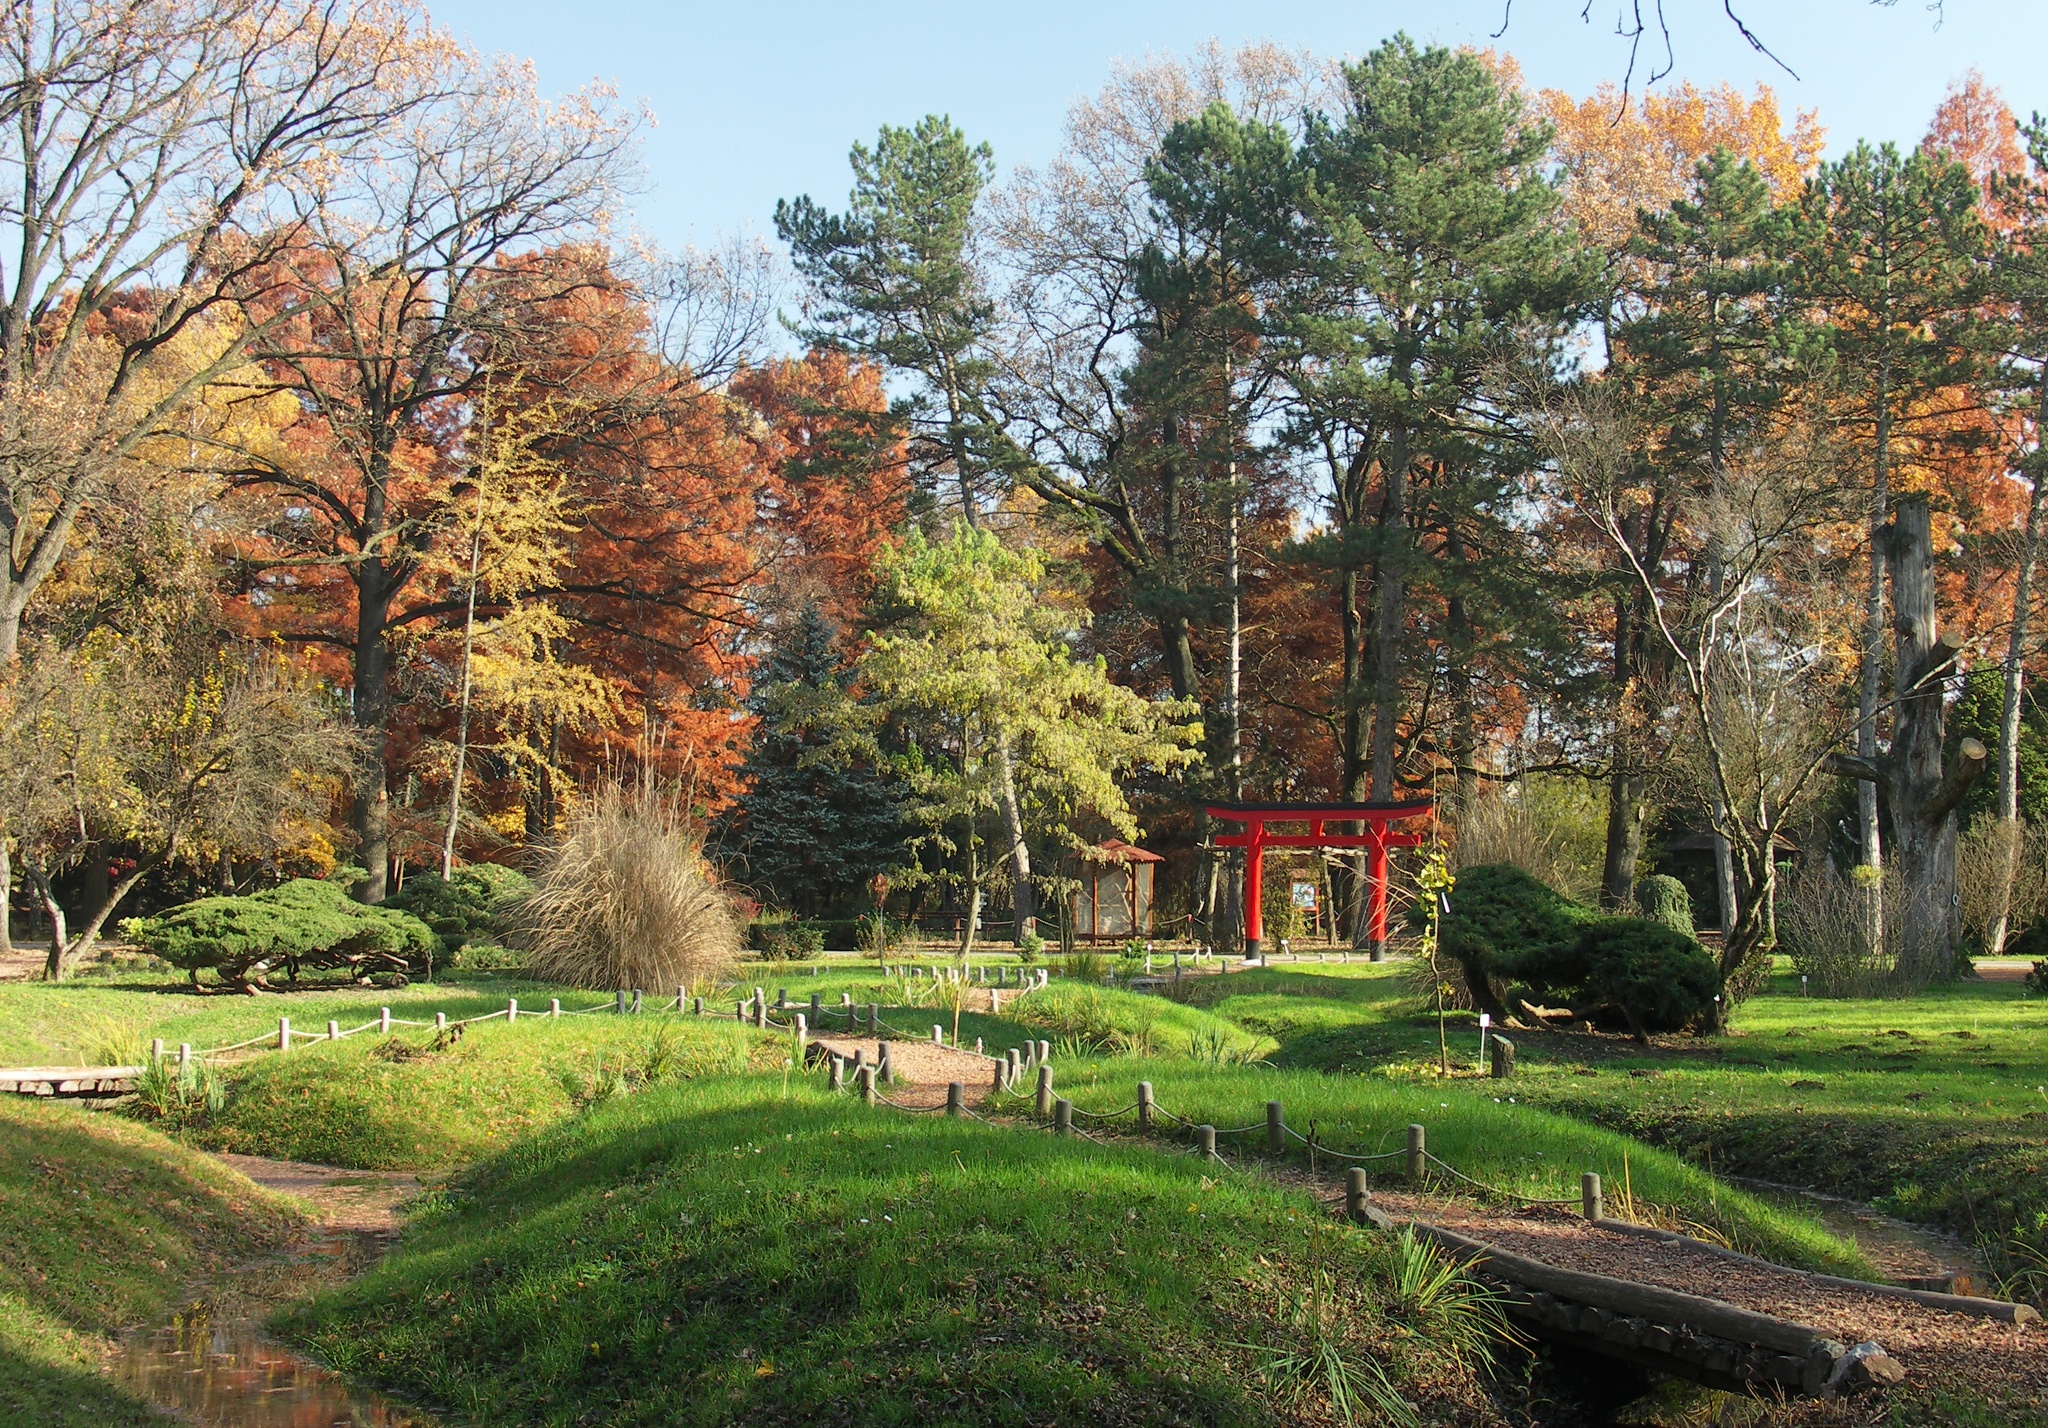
(1057, 1114)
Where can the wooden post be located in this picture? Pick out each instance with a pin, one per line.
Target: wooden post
(1063, 1117)
(383, 1021)
(1205, 1141)
(511, 1009)
(184, 1053)
(1355, 1195)
(817, 1008)
(1145, 1106)
(802, 1035)
(1276, 1130)
(1589, 1196)
(618, 1004)
(156, 1049)
(739, 1011)
(782, 999)
(1418, 1150)
(554, 1006)
(837, 1079)
(1044, 1092)
(875, 1018)
(995, 1002)
(938, 1035)
(1044, 1051)
(867, 1085)
(1013, 1068)
(883, 1067)
(697, 1006)
(682, 1000)
(334, 1031)
(440, 1023)
(956, 1098)
(284, 1033)
(1501, 1057)
(761, 1013)
(636, 1001)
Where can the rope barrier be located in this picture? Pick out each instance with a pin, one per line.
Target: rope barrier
(1491, 1190)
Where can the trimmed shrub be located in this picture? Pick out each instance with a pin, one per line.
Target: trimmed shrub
(627, 899)
(1663, 898)
(1506, 928)
(1661, 979)
(465, 908)
(300, 924)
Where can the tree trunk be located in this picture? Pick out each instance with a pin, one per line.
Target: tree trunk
(1022, 894)
(370, 813)
(1464, 740)
(1389, 618)
(1870, 692)
(1624, 843)
(6, 895)
(1923, 801)
(2009, 711)
(54, 964)
(476, 552)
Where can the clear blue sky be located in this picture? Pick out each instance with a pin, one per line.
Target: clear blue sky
(755, 102)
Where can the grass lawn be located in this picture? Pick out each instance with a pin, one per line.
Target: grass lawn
(102, 1222)
(726, 1252)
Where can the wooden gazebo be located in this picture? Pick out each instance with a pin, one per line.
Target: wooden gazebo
(1114, 899)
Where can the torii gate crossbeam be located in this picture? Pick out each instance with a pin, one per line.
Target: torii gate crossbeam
(1377, 838)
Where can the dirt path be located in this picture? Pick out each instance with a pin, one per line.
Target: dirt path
(1940, 1349)
(347, 1202)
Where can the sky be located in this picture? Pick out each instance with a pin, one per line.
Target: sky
(755, 102)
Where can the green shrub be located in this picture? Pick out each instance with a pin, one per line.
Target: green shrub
(2037, 980)
(1030, 947)
(300, 924)
(1661, 979)
(461, 909)
(1663, 898)
(1506, 927)
(786, 941)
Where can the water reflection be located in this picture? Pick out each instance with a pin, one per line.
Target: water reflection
(221, 1371)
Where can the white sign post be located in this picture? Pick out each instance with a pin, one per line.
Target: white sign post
(1485, 1022)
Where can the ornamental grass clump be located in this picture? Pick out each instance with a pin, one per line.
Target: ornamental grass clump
(626, 900)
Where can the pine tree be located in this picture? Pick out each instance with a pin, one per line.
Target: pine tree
(810, 833)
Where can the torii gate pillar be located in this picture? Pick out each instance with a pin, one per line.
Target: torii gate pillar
(1376, 838)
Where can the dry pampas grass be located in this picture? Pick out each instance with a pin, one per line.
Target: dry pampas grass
(626, 899)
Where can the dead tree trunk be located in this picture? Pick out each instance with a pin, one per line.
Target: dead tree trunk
(1922, 797)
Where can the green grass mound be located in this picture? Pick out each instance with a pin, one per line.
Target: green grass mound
(1117, 1022)
(101, 1224)
(720, 1253)
(407, 1103)
(1475, 1129)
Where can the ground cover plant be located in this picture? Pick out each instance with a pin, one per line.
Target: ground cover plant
(102, 1222)
(724, 1252)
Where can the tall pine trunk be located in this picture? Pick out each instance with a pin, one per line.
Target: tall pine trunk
(1389, 620)
(2015, 673)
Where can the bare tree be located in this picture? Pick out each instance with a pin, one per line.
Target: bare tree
(142, 147)
(1753, 678)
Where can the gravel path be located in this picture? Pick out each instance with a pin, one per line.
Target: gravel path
(921, 1067)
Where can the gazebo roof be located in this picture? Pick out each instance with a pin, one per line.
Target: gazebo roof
(1116, 850)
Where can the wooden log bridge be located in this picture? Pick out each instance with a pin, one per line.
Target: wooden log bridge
(1667, 1332)
(69, 1080)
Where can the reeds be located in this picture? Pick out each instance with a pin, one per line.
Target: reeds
(626, 900)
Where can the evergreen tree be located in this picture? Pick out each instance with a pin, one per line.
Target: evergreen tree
(1704, 351)
(810, 833)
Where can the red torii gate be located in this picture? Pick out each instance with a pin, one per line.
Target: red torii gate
(1377, 838)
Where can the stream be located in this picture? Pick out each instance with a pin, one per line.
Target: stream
(1905, 1253)
(211, 1363)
